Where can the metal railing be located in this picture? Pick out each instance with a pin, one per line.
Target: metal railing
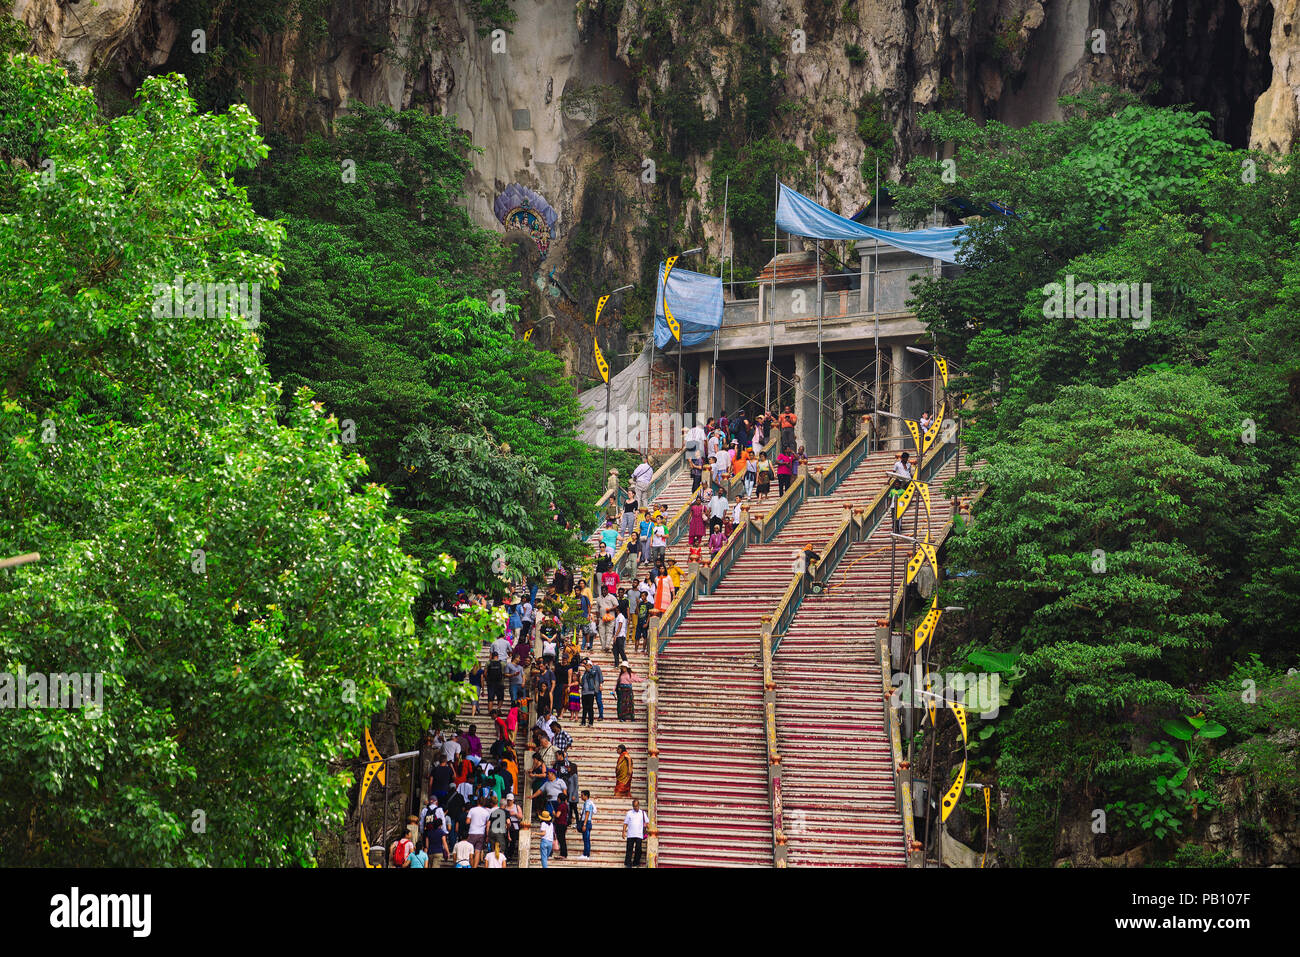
(786, 506)
(844, 463)
(902, 771)
(775, 800)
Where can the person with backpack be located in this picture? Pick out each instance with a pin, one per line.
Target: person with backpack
(498, 825)
(455, 808)
(403, 847)
(496, 680)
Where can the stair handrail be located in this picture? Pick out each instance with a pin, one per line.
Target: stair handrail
(786, 506)
(652, 748)
(844, 463)
(779, 846)
(831, 553)
(664, 475)
(525, 767)
(708, 577)
(932, 465)
(902, 780)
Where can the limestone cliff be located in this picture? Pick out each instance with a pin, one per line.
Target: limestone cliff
(652, 68)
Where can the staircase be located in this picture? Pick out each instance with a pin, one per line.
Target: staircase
(669, 501)
(595, 752)
(837, 775)
(714, 807)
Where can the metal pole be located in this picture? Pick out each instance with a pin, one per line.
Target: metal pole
(929, 772)
(771, 313)
(713, 386)
(821, 372)
(874, 289)
(604, 468)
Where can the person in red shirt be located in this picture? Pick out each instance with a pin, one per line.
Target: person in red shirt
(463, 768)
(784, 469)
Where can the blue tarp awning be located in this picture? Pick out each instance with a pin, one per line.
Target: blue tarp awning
(797, 214)
(696, 302)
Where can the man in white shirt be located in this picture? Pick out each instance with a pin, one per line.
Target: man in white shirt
(634, 822)
(641, 481)
(695, 442)
(451, 748)
(718, 506)
(478, 820)
(464, 853)
(658, 540)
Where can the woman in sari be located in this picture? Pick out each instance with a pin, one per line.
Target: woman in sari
(623, 772)
(626, 707)
(697, 522)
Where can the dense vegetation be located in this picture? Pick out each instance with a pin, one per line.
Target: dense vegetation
(1136, 544)
(212, 544)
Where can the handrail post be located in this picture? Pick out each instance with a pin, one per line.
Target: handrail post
(779, 848)
(652, 749)
(902, 770)
(526, 825)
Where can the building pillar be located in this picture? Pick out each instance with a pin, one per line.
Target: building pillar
(703, 411)
(897, 373)
(805, 407)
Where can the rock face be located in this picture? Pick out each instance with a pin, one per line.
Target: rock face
(1005, 59)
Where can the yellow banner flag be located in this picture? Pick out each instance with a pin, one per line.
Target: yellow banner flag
(528, 335)
(925, 495)
(925, 552)
(905, 499)
(373, 754)
(916, 436)
(365, 845)
(599, 306)
(954, 792)
(943, 369)
(933, 431)
(601, 364)
(668, 313)
(926, 628)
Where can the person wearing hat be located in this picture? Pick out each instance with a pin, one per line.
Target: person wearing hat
(547, 833)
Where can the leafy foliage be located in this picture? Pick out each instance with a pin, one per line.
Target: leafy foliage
(247, 606)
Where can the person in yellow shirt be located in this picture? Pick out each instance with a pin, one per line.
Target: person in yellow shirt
(674, 573)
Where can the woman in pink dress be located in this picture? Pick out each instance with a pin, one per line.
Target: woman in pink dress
(697, 522)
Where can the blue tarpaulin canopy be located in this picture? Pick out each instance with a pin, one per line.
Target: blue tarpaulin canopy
(696, 302)
(797, 214)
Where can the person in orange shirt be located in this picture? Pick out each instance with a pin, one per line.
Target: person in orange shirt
(788, 421)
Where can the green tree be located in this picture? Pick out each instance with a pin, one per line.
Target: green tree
(247, 607)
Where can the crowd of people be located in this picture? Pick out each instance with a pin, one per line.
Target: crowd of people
(473, 813)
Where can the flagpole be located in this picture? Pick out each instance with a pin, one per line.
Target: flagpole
(595, 341)
(875, 298)
(650, 387)
(713, 385)
(821, 369)
(771, 312)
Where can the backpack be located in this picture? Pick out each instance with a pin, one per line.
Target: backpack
(494, 671)
(401, 851)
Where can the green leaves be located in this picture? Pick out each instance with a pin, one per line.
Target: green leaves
(247, 605)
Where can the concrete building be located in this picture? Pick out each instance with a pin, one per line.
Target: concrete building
(859, 310)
